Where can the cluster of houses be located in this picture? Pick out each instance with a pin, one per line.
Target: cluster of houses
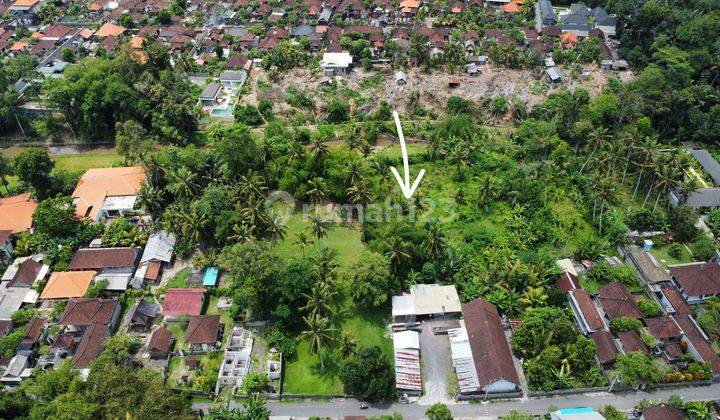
(675, 331)
(477, 333)
(212, 31)
(67, 324)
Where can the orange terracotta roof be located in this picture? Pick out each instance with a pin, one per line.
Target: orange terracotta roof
(109, 29)
(67, 284)
(86, 33)
(36, 35)
(18, 46)
(136, 42)
(510, 8)
(410, 4)
(16, 213)
(98, 184)
(25, 3)
(568, 39)
(94, 7)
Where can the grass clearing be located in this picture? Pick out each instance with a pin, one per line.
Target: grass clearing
(84, 161)
(180, 280)
(663, 257)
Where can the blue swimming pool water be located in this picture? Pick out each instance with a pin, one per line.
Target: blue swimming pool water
(223, 112)
(578, 410)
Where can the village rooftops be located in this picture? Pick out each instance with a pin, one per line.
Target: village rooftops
(662, 412)
(567, 282)
(697, 279)
(586, 311)
(647, 265)
(16, 213)
(631, 342)
(604, 347)
(490, 349)
(203, 329)
(109, 29)
(67, 284)
(708, 163)
(159, 247)
(699, 341)
(90, 345)
(104, 258)
(663, 328)
(617, 302)
(183, 302)
(96, 185)
(87, 311)
(21, 5)
(24, 272)
(160, 340)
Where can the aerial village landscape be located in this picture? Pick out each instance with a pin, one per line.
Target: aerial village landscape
(202, 212)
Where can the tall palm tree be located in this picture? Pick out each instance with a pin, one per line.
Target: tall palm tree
(596, 138)
(318, 301)
(354, 172)
(645, 150)
(324, 265)
(318, 331)
(316, 190)
(319, 150)
(397, 252)
(193, 222)
(319, 228)
(303, 240)
(347, 346)
(434, 242)
(254, 215)
(275, 229)
(151, 199)
(184, 183)
(487, 191)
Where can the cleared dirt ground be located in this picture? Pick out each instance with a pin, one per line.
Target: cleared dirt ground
(530, 86)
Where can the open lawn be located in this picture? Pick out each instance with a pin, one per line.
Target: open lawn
(343, 238)
(180, 280)
(84, 161)
(662, 254)
(368, 328)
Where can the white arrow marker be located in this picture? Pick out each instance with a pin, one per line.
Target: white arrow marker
(405, 186)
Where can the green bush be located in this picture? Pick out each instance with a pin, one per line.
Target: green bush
(625, 324)
(703, 249)
(675, 250)
(649, 308)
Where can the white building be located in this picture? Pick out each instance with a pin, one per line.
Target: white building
(338, 63)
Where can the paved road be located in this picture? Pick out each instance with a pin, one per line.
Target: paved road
(341, 408)
(436, 364)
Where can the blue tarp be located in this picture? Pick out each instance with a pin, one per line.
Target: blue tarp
(211, 276)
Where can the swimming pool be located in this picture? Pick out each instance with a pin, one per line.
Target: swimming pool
(227, 112)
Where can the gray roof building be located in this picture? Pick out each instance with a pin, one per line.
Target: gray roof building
(210, 92)
(708, 163)
(547, 14)
(159, 247)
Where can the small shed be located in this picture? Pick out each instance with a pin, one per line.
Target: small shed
(401, 78)
(549, 62)
(555, 75)
(606, 64)
(619, 65)
(472, 69)
(453, 81)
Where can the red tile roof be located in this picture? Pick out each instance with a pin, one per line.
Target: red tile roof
(33, 330)
(87, 311)
(604, 347)
(695, 336)
(631, 342)
(103, 258)
(160, 340)
(662, 412)
(588, 310)
(697, 279)
(567, 282)
(203, 329)
(489, 346)
(663, 328)
(90, 345)
(183, 302)
(26, 273)
(617, 302)
(676, 299)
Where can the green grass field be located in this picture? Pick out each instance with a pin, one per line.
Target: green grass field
(179, 280)
(83, 162)
(664, 258)
(343, 238)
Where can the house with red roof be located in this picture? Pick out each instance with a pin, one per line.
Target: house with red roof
(182, 302)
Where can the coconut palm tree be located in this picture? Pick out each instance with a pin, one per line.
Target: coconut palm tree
(318, 331)
(324, 265)
(193, 222)
(303, 240)
(533, 297)
(184, 183)
(255, 408)
(275, 229)
(354, 172)
(435, 242)
(397, 252)
(151, 199)
(319, 228)
(347, 346)
(316, 190)
(249, 186)
(597, 137)
(318, 301)
(487, 191)
(644, 151)
(319, 150)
